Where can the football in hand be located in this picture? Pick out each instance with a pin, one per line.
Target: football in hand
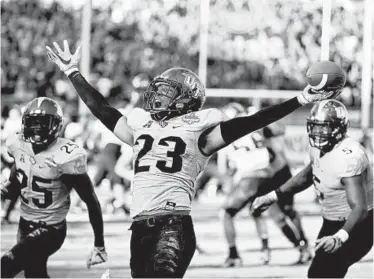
(326, 76)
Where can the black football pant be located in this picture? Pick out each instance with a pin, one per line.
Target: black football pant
(335, 265)
(162, 246)
(36, 242)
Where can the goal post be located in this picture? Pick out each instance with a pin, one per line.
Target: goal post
(85, 44)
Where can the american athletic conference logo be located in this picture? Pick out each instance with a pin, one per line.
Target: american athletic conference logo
(191, 118)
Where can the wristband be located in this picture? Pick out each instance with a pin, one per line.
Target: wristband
(342, 235)
(273, 196)
(71, 70)
(302, 100)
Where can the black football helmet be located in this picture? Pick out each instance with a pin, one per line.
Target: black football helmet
(175, 92)
(41, 121)
(327, 124)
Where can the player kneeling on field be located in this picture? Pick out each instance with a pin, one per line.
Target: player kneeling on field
(46, 167)
(343, 177)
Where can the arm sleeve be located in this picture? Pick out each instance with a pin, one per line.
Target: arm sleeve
(96, 102)
(83, 186)
(236, 128)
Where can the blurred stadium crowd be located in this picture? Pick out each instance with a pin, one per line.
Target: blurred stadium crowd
(269, 45)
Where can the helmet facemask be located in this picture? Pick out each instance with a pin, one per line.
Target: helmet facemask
(161, 99)
(324, 135)
(40, 129)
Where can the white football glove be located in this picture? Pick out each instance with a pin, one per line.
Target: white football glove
(260, 204)
(331, 243)
(97, 256)
(67, 62)
(310, 95)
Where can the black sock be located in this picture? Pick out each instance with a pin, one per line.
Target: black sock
(233, 253)
(265, 243)
(289, 233)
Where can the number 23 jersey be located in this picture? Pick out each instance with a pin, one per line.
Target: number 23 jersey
(167, 159)
(44, 197)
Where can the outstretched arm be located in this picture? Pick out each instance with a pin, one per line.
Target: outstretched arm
(95, 101)
(82, 184)
(298, 183)
(229, 131)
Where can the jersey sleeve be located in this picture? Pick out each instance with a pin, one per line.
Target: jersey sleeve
(76, 162)
(355, 164)
(137, 117)
(351, 160)
(210, 118)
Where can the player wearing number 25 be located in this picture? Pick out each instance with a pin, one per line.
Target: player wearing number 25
(172, 141)
(46, 167)
(341, 172)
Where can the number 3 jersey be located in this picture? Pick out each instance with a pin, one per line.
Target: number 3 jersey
(44, 197)
(167, 159)
(347, 159)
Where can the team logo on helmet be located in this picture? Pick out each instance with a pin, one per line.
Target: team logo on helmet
(175, 92)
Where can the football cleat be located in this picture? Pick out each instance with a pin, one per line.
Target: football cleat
(233, 262)
(106, 275)
(265, 256)
(304, 255)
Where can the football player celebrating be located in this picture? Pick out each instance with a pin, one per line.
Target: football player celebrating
(46, 167)
(258, 161)
(343, 178)
(172, 141)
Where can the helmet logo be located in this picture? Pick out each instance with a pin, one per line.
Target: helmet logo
(193, 84)
(40, 101)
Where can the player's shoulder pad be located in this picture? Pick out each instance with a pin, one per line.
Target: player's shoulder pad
(204, 119)
(71, 157)
(13, 142)
(350, 158)
(137, 117)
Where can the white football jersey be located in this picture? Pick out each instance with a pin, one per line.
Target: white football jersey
(346, 159)
(167, 159)
(259, 154)
(43, 195)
